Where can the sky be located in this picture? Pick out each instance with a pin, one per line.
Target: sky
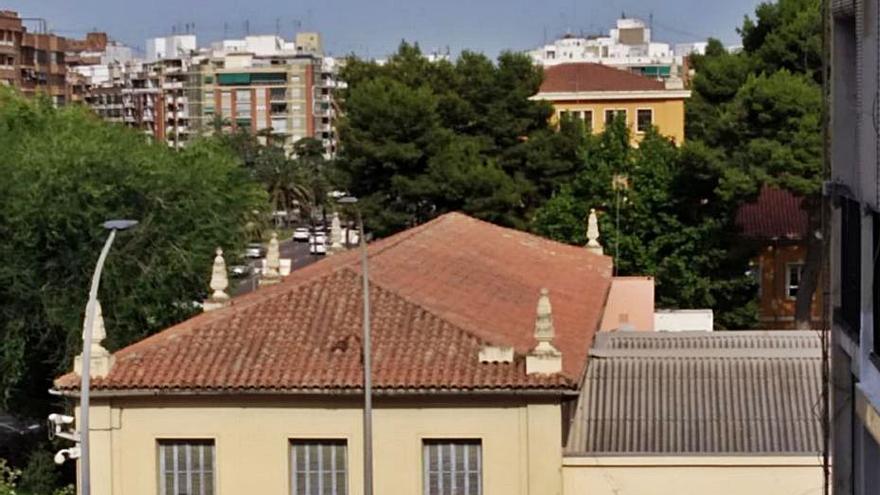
(374, 28)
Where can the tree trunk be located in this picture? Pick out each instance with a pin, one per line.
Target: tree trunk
(803, 306)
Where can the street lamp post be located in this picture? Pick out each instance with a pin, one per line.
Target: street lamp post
(368, 379)
(85, 475)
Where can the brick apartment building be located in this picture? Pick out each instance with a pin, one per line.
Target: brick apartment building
(38, 62)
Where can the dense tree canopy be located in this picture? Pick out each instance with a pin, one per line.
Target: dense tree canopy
(660, 216)
(761, 111)
(422, 138)
(66, 172)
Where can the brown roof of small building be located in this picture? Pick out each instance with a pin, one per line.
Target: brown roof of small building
(692, 393)
(579, 77)
(776, 214)
(439, 292)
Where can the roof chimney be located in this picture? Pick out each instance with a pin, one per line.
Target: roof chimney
(544, 358)
(219, 283)
(272, 275)
(593, 233)
(101, 359)
(335, 235)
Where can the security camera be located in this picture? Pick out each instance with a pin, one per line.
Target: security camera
(60, 419)
(64, 454)
(60, 426)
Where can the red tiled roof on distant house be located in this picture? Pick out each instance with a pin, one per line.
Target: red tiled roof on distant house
(776, 214)
(439, 292)
(585, 77)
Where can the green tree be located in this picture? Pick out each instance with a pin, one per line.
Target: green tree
(421, 138)
(65, 172)
(657, 217)
(760, 109)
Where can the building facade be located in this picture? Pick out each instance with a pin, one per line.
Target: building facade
(264, 391)
(628, 46)
(775, 227)
(698, 412)
(597, 94)
(41, 63)
(854, 191)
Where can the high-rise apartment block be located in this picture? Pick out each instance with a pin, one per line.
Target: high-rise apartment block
(277, 89)
(37, 62)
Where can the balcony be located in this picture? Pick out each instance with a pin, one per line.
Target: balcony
(172, 85)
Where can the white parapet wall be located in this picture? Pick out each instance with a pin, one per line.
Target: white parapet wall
(692, 475)
(683, 320)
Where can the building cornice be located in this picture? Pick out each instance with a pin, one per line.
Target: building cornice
(664, 94)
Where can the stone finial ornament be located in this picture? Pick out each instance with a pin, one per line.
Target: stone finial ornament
(336, 245)
(272, 274)
(101, 359)
(219, 283)
(544, 358)
(593, 233)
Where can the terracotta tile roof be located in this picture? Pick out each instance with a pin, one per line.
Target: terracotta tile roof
(775, 214)
(438, 293)
(577, 77)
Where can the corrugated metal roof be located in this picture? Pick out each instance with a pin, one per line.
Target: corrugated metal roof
(700, 393)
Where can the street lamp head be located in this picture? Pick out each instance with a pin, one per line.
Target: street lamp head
(119, 224)
(347, 200)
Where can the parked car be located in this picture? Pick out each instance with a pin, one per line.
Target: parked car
(317, 248)
(301, 234)
(240, 271)
(255, 250)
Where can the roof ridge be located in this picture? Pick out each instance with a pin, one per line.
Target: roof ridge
(291, 282)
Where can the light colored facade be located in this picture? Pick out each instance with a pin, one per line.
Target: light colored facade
(855, 237)
(628, 46)
(597, 94)
(252, 438)
(692, 475)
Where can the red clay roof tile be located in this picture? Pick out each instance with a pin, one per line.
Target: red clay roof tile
(439, 292)
(578, 77)
(775, 214)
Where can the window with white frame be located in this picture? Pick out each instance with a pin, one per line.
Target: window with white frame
(453, 467)
(612, 114)
(186, 467)
(644, 119)
(318, 467)
(793, 279)
(588, 120)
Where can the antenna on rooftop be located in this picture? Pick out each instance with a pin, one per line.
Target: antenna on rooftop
(247, 27)
(277, 26)
(225, 30)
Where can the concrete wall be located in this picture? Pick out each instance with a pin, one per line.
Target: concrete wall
(521, 443)
(692, 475)
(668, 114)
(630, 305)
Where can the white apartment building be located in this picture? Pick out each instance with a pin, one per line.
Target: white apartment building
(174, 46)
(854, 191)
(627, 46)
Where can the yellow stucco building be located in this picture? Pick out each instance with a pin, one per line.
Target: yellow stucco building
(477, 389)
(597, 94)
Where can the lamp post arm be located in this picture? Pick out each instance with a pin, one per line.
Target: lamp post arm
(85, 475)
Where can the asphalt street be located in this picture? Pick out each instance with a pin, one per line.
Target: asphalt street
(297, 251)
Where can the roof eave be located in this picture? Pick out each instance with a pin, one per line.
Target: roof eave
(383, 392)
(656, 94)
